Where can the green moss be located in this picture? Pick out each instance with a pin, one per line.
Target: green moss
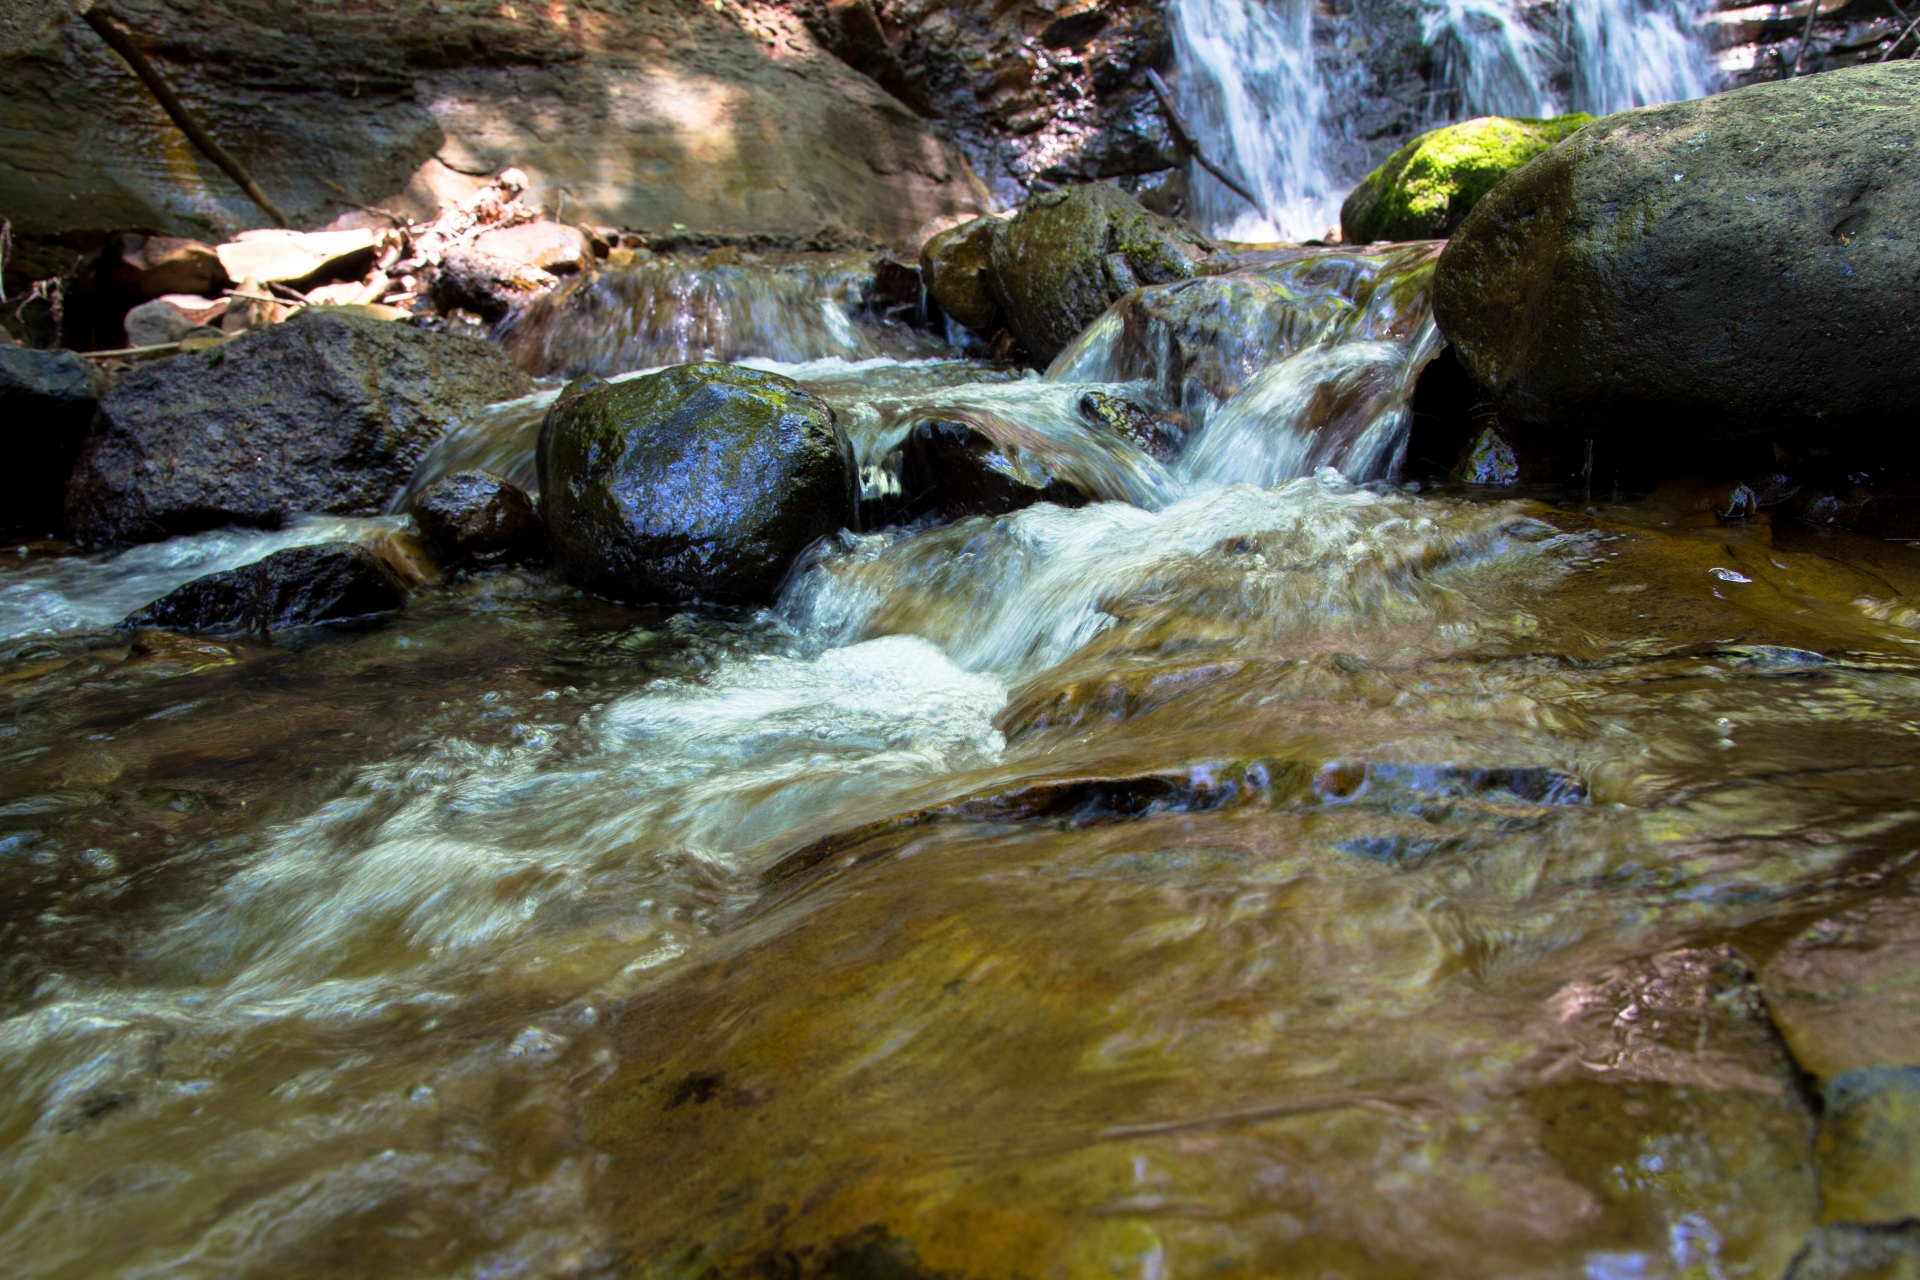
(1426, 188)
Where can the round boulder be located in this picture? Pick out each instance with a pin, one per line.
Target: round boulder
(1737, 266)
(475, 517)
(700, 482)
(1427, 188)
(1067, 255)
(957, 267)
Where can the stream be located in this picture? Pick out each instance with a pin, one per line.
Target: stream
(1273, 868)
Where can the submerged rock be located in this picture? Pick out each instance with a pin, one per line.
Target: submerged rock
(292, 588)
(47, 398)
(1426, 188)
(954, 469)
(702, 481)
(477, 517)
(1067, 255)
(957, 267)
(1735, 266)
(328, 412)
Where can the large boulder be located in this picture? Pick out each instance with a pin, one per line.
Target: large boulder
(1067, 255)
(327, 582)
(1426, 188)
(700, 482)
(957, 269)
(47, 398)
(328, 412)
(1741, 265)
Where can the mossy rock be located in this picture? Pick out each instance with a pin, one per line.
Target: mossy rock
(700, 482)
(1068, 255)
(957, 266)
(1426, 188)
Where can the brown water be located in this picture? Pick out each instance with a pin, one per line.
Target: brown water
(1313, 880)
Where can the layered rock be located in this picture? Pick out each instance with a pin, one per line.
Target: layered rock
(700, 482)
(328, 412)
(1067, 255)
(1736, 266)
(1426, 189)
(637, 116)
(331, 581)
(47, 398)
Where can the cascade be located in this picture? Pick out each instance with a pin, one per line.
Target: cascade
(1250, 88)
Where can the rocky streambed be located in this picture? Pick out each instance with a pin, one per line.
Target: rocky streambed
(1149, 757)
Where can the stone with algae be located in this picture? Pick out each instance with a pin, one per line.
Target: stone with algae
(1426, 189)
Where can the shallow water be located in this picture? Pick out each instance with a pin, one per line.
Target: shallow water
(1310, 878)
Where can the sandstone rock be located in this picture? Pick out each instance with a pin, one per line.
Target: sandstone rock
(1736, 266)
(302, 585)
(484, 284)
(551, 246)
(703, 481)
(328, 412)
(290, 257)
(47, 398)
(957, 267)
(476, 517)
(1067, 255)
(149, 266)
(1426, 188)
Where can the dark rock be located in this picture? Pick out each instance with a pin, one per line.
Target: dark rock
(1488, 458)
(149, 266)
(957, 268)
(954, 469)
(486, 284)
(1153, 435)
(702, 481)
(1879, 508)
(1426, 189)
(1067, 255)
(323, 583)
(47, 398)
(328, 412)
(1734, 267)
(477, 517)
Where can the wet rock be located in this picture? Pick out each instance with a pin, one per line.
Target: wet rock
(149, 266)
(1869, 1147)
(957, 266)
(47, 398)
(553, 247)
(1067, 255)
(324, 583)
(954, 469)
(1426, 188)
(486, 284)
(1154, 436)
(1877, 507)
(475, 517)
(328, 412)
(702, 481)
(1489, 458)
(1733, 267)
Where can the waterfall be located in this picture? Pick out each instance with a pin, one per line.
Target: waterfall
(1251, 94)
(1254, 99)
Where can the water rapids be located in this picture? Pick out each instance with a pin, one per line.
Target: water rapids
(1271, 869)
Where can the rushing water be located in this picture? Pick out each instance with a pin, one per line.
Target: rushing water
(1251, 87)
(1278, 873)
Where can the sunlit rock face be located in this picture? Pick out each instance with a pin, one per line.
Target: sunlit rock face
(638, 116)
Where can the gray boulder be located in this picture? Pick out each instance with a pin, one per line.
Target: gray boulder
(331, 581)
(328, 412)
(1067, 255)
(700, 482)
(47, 398)
(1742, 265)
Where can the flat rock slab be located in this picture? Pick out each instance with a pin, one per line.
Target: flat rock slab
(329, 412)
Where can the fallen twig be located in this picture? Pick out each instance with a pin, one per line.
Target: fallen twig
(1806, 34)
(1900, 39)
(1184, 136)
(102, 22)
